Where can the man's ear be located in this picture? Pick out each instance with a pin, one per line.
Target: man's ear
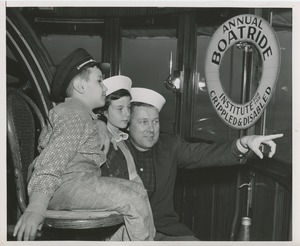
(79, 86)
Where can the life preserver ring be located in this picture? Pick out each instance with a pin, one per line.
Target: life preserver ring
(255, 30)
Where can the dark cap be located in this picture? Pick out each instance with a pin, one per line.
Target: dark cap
(69, 68)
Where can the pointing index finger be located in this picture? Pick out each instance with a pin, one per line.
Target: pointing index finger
(272, 136)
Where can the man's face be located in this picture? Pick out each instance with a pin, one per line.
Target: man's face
(144, 127)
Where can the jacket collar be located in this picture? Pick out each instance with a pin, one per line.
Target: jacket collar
(80, 103)
(118, 136)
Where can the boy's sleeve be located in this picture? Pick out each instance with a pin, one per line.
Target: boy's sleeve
(68, 133)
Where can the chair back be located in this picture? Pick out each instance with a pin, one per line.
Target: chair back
(24, 123)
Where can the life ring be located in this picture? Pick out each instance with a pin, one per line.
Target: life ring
(255, 30)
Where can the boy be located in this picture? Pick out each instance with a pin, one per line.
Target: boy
(67, 174)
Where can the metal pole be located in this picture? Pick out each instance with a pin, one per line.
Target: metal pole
(244, 97)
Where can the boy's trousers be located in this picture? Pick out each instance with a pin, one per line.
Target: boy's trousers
(88, 190)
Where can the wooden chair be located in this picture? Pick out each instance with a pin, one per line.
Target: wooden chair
(24, 122)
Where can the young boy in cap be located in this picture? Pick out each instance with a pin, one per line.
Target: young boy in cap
(66, 175)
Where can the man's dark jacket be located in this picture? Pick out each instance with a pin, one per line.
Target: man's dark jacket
(172, 152)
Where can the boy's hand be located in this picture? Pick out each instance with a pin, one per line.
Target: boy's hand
(106, 137)
(28, 225)
(255, 141)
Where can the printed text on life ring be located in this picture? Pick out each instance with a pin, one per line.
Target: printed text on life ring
(255, 30)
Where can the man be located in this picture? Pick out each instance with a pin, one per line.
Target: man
(157, 157)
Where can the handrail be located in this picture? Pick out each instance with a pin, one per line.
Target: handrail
(278, 170)
(275, 169)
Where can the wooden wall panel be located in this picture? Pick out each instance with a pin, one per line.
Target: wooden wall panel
(281, 215)
(204, 200)
(263, 208)
(271, 210)
(223, 207)
(186, 63)
(112, 44)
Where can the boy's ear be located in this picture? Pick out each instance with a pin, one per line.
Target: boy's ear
(79, 85)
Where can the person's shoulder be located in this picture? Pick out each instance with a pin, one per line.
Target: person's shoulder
(168, 138)
(167, 135)
(70, 109)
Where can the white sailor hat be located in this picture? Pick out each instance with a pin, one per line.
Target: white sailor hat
(147, 96)
(117, 82)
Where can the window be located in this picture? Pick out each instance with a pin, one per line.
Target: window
(206, 123)
(146, 62)
(279, 110)
(54, 42)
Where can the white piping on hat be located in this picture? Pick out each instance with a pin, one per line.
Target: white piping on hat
(82, 64)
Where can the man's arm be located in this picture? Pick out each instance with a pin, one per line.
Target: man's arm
(195, 155)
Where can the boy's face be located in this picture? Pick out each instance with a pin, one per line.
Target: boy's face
(118, 112)
(144, 127)
(95, 90)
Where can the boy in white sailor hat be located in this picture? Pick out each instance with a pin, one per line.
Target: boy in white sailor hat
(158, 156)
(70, 148)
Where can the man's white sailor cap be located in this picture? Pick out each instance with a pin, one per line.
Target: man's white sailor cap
(147, 96)
(117, 82)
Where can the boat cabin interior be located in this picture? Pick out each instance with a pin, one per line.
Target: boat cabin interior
(163, 49)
